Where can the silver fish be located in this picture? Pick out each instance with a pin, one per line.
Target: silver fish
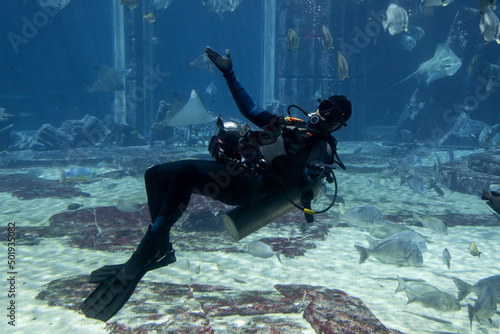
(202, 62)
(127, 206)
(484, 4)
(417, 184)
(211, 90)
(408, 42)
(489, 26)
(262, 250)
(438, 300)
(465, 288)
(485, 306)
(410, 235)
(328, 40)
(416, 32)
(399, 252)
(387, 229)
(53, 3)
(446, 257)
(432, 223)
(396, 19)
(162, 4)
(415, 288)
(342, 66)
(363, 217)
(109, 79)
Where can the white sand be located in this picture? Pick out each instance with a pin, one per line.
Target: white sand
(333, 264)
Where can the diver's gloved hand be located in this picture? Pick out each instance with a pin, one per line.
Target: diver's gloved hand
(224, 64)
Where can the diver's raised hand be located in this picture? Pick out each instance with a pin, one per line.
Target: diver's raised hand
(224, 64)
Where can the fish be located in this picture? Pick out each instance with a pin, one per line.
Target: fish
(162, 4)
(211, 90)
(77, 174)
(489, 137)
(465, 288)
(127, 206)
(417, 184)
(489, 26)
(387, 229)
(416, 288)
(395, 20)
(485, 306)
(432, 223)
(406, 166)
(53, 3)
(473, 250)
(433, 319)
(292, 40)
(363, 217)
(109, 79)
(149, 17)
(446, 257)
(410, 235)
(434, 3)
(73, 206)
(201, 62)
(416, 32)
(399, 252)
(409, 43)
(220, 6)
(328, 40)
(438, 300)
(129, 4)
(192, 112)
(493, 200)
(262, 250)
(342, 66)
(484, 4)
(444, 63)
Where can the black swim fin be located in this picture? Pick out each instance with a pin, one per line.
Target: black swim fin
(118, 282)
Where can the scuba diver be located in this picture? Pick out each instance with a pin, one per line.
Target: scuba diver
(260, 172)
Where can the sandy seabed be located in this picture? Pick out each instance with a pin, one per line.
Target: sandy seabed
(334, 263)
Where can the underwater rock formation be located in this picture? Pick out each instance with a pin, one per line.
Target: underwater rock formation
(198, 308)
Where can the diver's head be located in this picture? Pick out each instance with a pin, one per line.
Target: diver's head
(333, 113)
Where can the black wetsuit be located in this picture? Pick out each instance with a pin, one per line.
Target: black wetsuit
(169, 186)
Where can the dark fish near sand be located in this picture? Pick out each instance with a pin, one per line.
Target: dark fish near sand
(493, 199)
(438, 300)
(342, 66)
(465, 288)
(292, 40)
(73, 206)
(485, 306)
(473, 250)
(328, 40)
(446, 257)
(399, 252)
(396, 19)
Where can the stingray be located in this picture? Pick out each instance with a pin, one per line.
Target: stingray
(445, 63)
(109, 79)
(193, 112)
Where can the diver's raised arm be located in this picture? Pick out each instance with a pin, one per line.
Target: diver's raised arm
(245, 103)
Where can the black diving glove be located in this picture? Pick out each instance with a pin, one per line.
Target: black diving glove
(224, 64)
